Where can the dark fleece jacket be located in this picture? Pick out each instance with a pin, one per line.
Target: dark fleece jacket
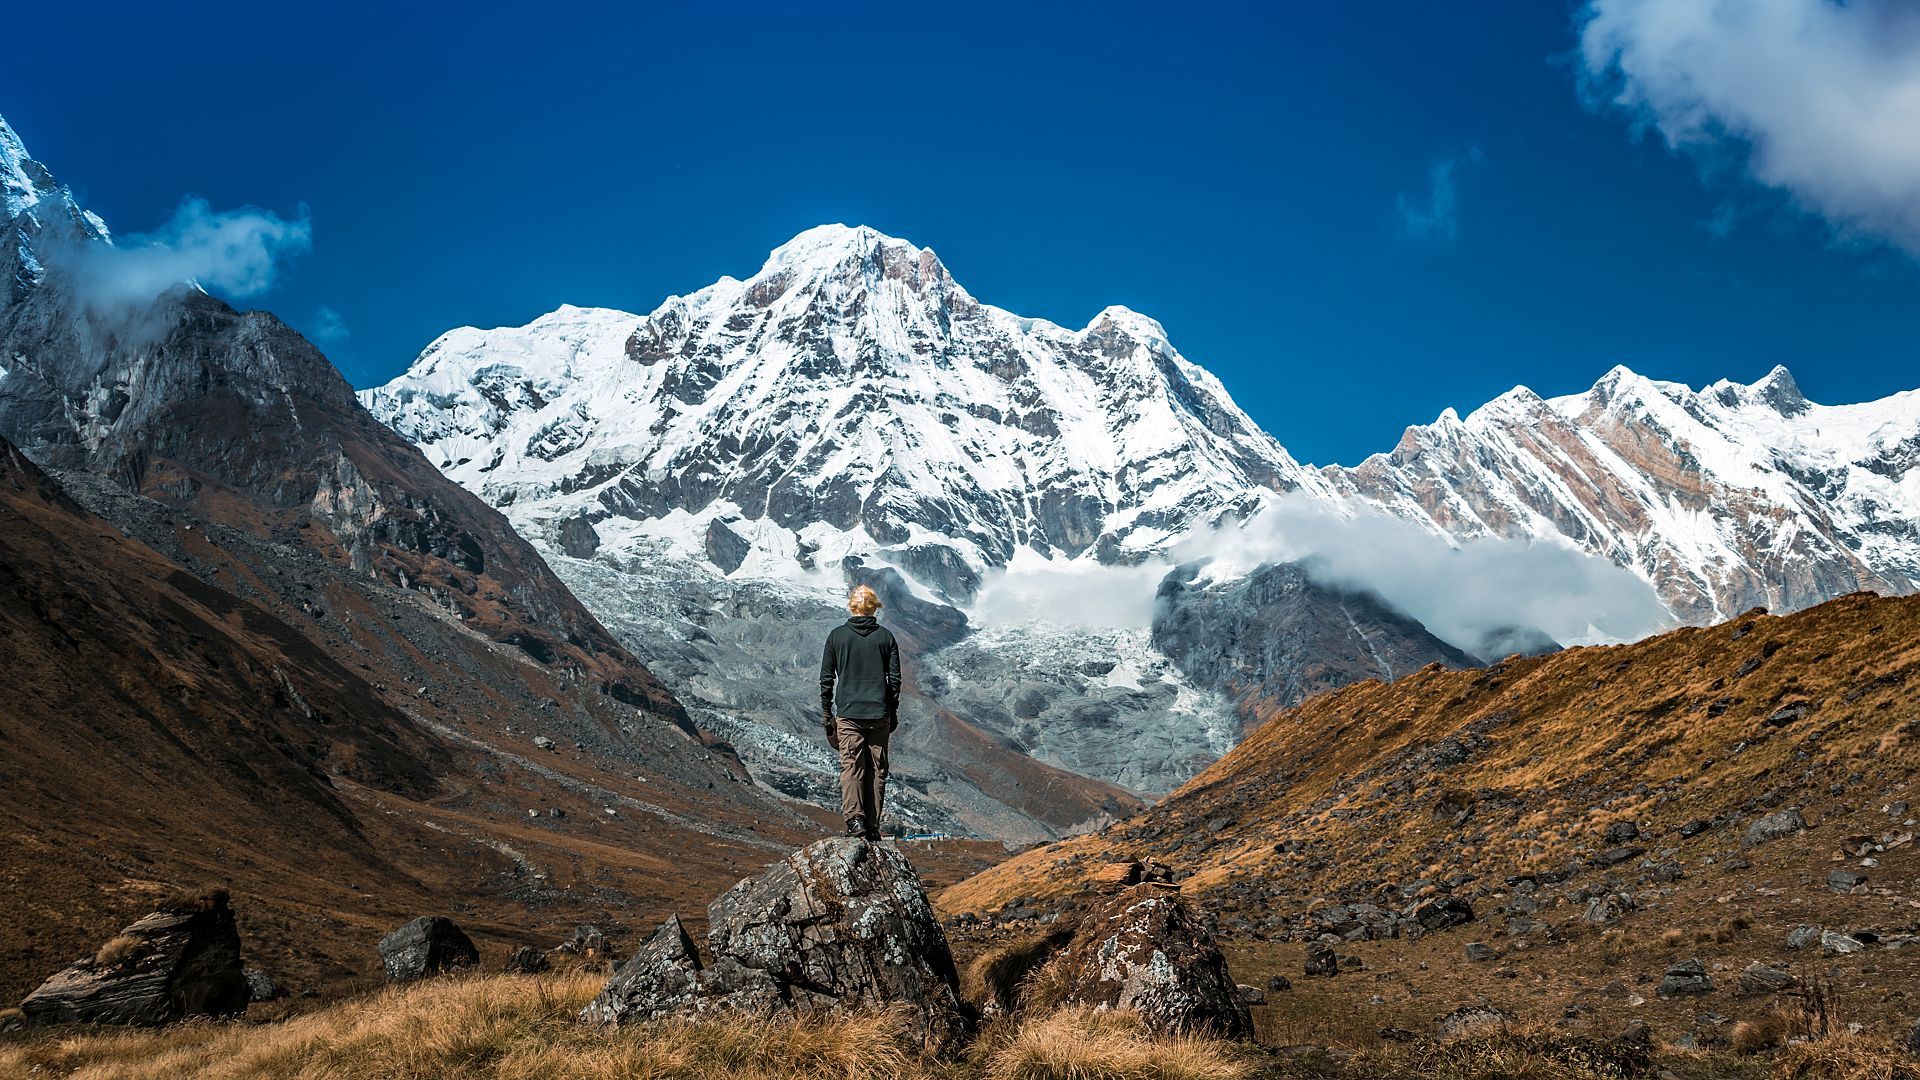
(860, 672)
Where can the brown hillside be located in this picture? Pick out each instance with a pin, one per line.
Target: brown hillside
(1497, 787)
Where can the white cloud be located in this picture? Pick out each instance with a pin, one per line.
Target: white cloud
(1077, 593)
(235, 252)
(1814, 98)
(329, 328)
(1462, 595)
(1434, 215)
(1465, 595)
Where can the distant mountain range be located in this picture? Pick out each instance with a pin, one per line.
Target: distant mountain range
(851, 398)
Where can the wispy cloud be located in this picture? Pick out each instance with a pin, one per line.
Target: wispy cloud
(329, 328)
(238, 253)
(1433, 214)
(1466, 595)
(1817, 99)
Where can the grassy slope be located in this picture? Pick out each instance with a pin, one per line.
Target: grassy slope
(1663, 732)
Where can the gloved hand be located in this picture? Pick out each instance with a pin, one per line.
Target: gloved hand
(833, 734)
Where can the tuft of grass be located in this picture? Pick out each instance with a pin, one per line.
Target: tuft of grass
(1674, 938)
(117, 950)
(997, 978)
(1084, 1044)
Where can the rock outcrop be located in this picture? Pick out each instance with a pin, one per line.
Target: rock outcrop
(1145, 949)
(840, 924)
(429, 945)
(180, 961)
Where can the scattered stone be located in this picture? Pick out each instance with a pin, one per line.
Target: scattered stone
(1621, 832)
(1912, 1042)
(180, 961)
(1471, 1019)
(1636, 1033)
(1685, 977)
(1803, 937)
(1440, 913)
(1694, 828)
(1844, 881)
(1780, 823)
(526, 960)
(1279, 982)
(1834, 943)
(544, 743)
(1607, 910)
(1252, 995)
(1759, 978)
(1478, 951)
(1322, 962)
(1615, 856)
(1788, 714)
(429, 945)
(260, 985)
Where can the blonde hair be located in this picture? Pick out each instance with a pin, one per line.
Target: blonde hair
(863, 600)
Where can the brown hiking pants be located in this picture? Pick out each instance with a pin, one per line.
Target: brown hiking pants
(863, 767)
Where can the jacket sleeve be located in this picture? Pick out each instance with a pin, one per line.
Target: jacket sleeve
(828, 671)
(893, 682)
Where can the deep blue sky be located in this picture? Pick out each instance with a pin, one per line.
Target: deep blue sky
(1237, 172)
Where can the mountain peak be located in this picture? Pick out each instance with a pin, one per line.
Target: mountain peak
(23, 181)
(1781, 391)
(1127, 320)
(831, 244)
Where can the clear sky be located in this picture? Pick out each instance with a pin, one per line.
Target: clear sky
(1355, 214)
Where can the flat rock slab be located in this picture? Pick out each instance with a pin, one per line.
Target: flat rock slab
(168, 966)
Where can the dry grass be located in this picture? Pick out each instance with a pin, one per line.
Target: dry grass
(1526, 1052)
(504, 1027)
(1843, 1057)
(1081, 1044)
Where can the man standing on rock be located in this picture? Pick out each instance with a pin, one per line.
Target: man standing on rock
(860, 707)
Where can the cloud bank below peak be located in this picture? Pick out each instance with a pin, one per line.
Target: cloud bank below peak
(1816, 99)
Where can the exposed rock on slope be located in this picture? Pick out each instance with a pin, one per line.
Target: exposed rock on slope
(1275, 637)
(841, 924)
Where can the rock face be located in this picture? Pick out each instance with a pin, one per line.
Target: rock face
(1145, 949)
(841, 924)
(178, 962)
(429, 945)
(1275, 637)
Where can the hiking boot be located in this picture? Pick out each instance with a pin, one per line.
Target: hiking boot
(857, 826)
(873, 833)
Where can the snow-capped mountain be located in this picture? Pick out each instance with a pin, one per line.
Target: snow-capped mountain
(1724, 498)
(851, 397)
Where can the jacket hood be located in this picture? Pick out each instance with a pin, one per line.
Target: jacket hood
(863, 624)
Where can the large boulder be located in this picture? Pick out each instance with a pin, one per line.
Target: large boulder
(1145, 949)
(842, 924)
(180, 961)
(429, 945)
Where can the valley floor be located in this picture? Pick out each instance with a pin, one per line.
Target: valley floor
(504, 1026)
